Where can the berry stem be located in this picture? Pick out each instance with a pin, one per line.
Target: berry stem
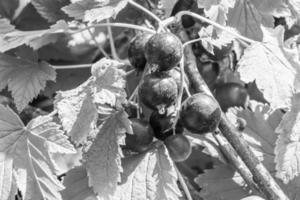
(112, 43)
(183, 184)
(98, 44)
(135, 92)
(197, 16)
(121, 25)
(71, 66)
(261, 175)
(145, 10)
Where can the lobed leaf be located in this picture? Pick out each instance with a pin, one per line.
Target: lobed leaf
(25, 79)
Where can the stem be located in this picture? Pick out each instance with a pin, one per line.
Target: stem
(130, 72)
(98, 44)
(195, 15)
(261, 175)
(71, 66)
(145, 10)
(183, 184)
(235, 160)
(122, 25)
(134, 93)
(111, 42)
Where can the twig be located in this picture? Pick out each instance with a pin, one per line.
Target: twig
(195, 15)
(261, 175)
(71, 66)
(112, 43)
(235, 160)
(183, 184)
(122, 25)
(98, 44)
(130, 72)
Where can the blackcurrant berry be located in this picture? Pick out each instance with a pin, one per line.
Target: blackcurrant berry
(162, 125)
(158, 91)
(164, 50)
(200, 113)
(230, 95)
(142, 136)
(136, 51)
(179, 147)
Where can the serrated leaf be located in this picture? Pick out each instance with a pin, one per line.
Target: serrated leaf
(275, 68)
(34, 39)
(94, 10)
(103, 159)
(77, 111)
(148, 176)
(109, 83)
(29, 148)
(51, 9)
(247, 19)
(77, 188)
(24, 78)
(222, 182)
(287, 148)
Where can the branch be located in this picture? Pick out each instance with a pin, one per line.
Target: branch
(261, 175)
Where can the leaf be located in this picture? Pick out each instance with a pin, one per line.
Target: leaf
(51, 9)
(94, 10)
(24, 79)
(103, 158)
(275, 68)
(5, 26)
(28, 148)
(35, 39)
(247, 19)
(77, 188)
(149, 176)
(168, 5)
(109, 83)
(222, 182)
(287, 148)
(77, 111)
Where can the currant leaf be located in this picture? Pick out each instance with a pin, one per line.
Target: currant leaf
(25, 79)
(76, 185)
(263, 62)
(29, 149)
(94, 10)
(103, 158)
(287, 148)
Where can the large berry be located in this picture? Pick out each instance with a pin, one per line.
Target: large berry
(158, 91)
(179, 147)
(164, 50)
(230, 95)
(162, 125)
(142, 136)
(136, 51)
(200, 114)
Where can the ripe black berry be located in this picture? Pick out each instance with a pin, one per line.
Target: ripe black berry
(179, 147)
(230, 95)
(142, 136)
(136, 51)
(158, 91)
(162, 125)
(200, 114)
(164, 50)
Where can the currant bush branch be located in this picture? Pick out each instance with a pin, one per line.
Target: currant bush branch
(71, 66)
(261, 175)
(98, 44)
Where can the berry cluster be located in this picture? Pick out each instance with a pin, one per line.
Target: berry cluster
(159, 91)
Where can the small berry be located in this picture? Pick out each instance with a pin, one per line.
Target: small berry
(179, 147)
(136, 51)
(200, 114)
(158, 91)
(164, 50)
(142, 136)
